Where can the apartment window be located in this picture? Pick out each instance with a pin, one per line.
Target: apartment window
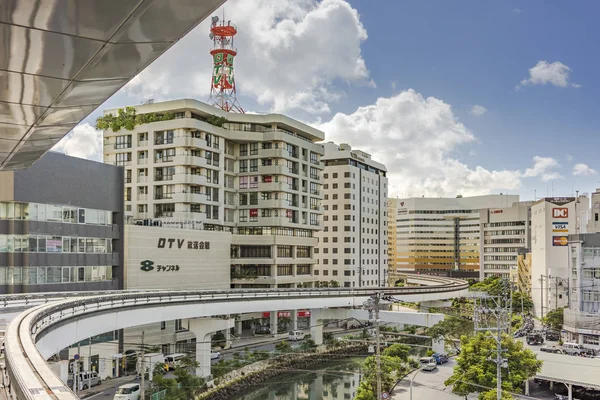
(254, 165)
(123, 142)
(243, 165)
(347, 207)
(314, 158)
(314, 219)
(178, 325)
(303, 252)
(335, 175)
(335, 186)
(243, 149)
(314, 173)
(255, 251)
(163, 325)
(347, 175)
(122, 159)
(253, 149)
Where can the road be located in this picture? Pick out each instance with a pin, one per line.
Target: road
(428, 385)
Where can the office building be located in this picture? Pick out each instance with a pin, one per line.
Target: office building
(391, 247)
(441, 236)
(256, 176)
(61, 226)
(553, 219)
(353, 244)
(582, 318)
(503, 233)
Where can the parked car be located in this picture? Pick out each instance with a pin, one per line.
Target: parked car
(552, 335)
(130, 391)
(215, 355)
(172, 360)
(440, 358)
(85, 380)
(534, 338)
(573, 348)
(428, 364)
(295, 335)
(552, 349)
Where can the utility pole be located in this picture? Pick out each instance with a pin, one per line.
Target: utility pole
(143, 372)
(542, 294)
(378, 350)
(491, 315)
(90, 364)
(372, 305)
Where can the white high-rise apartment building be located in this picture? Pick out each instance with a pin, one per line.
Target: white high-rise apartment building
(256, 176)
(353, 244)
(504, 232)
(440, 236)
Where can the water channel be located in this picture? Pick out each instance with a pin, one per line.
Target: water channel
(335, 380)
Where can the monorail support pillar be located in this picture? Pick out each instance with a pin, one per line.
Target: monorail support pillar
(316, 326)
(203, 329)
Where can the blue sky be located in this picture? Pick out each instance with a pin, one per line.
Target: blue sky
(429, 62)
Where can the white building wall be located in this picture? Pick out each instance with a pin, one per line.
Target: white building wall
(163, 258)
(552, 221)
(353, 243)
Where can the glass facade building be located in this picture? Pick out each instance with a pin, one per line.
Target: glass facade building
(61, 226)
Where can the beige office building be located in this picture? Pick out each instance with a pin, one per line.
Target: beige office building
(353, 244)
(504, 233)
(440, 236)
(257, 177)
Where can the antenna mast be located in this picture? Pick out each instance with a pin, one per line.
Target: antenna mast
(222, 86)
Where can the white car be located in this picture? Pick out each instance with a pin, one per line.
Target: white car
(428, 364)
(131, 391)
(215, 355)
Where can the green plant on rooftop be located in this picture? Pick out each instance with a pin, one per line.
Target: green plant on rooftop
(128, 119)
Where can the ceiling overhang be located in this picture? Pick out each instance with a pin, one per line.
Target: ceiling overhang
(61, 59)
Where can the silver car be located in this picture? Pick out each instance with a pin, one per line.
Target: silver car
(428, 364)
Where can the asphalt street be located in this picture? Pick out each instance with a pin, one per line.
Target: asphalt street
(427, 385)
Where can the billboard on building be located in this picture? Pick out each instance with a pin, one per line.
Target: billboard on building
(163, 258)
(560, 241)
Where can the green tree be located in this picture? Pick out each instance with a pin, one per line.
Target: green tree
(525, 298)
(399, 351)
(555, 319)
(219, 339)
(474, 368)
(365, 391)
(127, 118)
(283, 347)
(185, 384)
(492, 395)
(451, 328)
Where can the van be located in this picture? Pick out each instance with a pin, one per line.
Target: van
(573, 348)
(172, 360)
(85, 380)
(131, 391)
(428, 363)
(295, 335)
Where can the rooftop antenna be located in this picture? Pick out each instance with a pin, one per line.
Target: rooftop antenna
(222, 87)
(149, 101)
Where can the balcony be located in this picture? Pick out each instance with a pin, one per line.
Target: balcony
(273, 153)
(273, 186)
(189, 198)
(142, 197)
(143, 143)
(164, 196)
(273, 203)
(142, 161)
(272, 170)
(190, 179)
(188, 141)
(142, 179)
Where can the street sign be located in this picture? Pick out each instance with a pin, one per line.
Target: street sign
(385, 395)
(76, 357)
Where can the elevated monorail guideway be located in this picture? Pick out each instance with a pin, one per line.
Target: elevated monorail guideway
(44, 330)
(61, 59)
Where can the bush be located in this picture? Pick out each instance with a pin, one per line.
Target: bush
(430, 353)
(413, 363)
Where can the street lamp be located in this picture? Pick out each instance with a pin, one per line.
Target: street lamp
(411, 381)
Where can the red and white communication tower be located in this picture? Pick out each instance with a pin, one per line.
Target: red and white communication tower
(222, 86)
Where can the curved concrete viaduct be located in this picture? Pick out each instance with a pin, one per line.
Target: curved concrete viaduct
(44, 330)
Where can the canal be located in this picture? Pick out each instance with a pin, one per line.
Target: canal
(335, 380)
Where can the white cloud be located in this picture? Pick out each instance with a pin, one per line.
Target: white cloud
(478, 110)
(292, 54)
(583, 169)
(576, 85)
(517, 10)
(541, 165)
(555, 73)
(84, 141)
(415, 138)
(551, 176)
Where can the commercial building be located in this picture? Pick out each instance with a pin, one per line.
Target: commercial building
(61, 226)
(503, 233)
(391, 247)
(353, 244)
(553, 219)
(256, 176)
(441, 236)
(582, 318)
